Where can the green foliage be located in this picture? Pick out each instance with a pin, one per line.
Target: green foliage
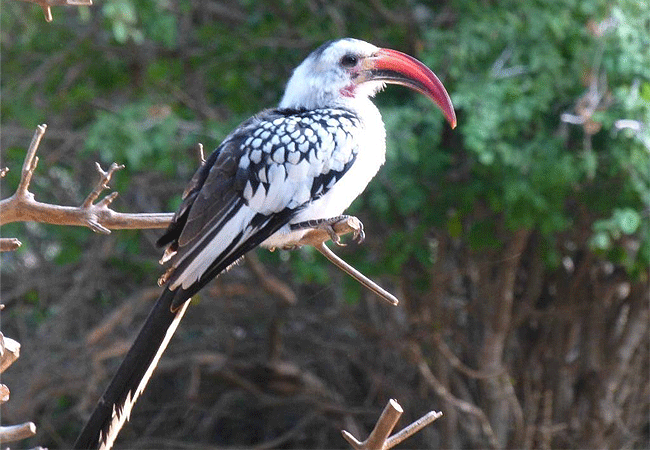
(512, 70)
(141, 135)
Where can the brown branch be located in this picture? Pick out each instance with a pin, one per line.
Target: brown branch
(317, 238)
(413, 428)
(118, 316)
(4, 393)
(354, 273)
(17, 432)
(425, 371)
(9, 244)
(457, 364)
(22, 207)
(269, 282)
(9, 352)
(47, 4)
(379, 437)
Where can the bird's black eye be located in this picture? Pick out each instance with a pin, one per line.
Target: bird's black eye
(349, 60)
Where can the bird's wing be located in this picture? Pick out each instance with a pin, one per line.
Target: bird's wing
(254, 183)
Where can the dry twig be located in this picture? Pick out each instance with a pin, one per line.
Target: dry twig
(17, 432)
(4, 393)
(47, 5)
(466, 407)
(457, 364)
(22, 207)
(379, 437)
(9, 244)
(317, 238)
(269, 282)
(9, 352)
(354, 273)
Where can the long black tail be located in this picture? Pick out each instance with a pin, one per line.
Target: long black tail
(114, 408)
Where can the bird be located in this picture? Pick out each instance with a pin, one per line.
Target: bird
(279, 175)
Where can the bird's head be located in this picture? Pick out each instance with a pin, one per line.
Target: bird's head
(339, 72)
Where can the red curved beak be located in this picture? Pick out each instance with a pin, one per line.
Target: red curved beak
(396, 67)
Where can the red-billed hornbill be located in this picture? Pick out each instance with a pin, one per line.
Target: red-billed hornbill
(278, 175)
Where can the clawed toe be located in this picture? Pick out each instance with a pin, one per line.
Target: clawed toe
(328, 225)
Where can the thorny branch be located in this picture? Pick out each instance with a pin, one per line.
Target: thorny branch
(379, 437)
(47, 4)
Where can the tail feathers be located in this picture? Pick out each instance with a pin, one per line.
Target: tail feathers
(114, 408)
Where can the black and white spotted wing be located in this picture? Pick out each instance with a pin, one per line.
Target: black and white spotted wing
(255, 182)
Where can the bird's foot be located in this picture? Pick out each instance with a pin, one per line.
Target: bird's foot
(328, 225)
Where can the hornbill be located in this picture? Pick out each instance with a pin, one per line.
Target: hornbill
(280, 174)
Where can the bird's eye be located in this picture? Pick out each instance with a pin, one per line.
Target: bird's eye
(349, 60)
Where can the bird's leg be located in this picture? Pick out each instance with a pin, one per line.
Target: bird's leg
(328, 226)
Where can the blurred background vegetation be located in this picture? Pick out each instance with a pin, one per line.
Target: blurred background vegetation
(518, 243)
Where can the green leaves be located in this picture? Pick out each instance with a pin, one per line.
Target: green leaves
(140, 135)
(513, 72)
(123, 18)
(624, 221)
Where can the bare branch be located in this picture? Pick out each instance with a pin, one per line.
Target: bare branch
(317, 238)
(379, 440)
(201, 154)
(354, 273)
(269, 282)
(413, 428)
(4, 393)
(104, 179)
(9, 352)
(442, 391)
(47, 4)
(457, 364)
(31, 160)
(385, 424)
(22, 207)
(9, 244)
(17, 432)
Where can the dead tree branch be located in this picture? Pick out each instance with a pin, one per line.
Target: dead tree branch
(22, 206)
(379, 437)
(457, 364)
(425, 371)
(354, 273)
(47, 5)
(17, 432)
(269, 282)
(9, 244)
(9, 352)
